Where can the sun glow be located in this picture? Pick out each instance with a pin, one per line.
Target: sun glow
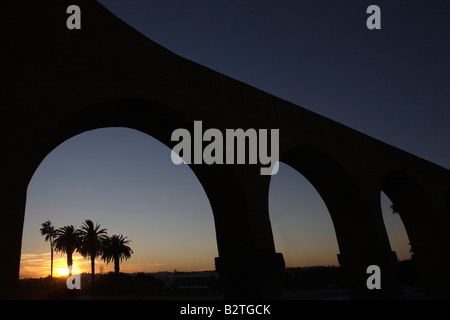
(62, 272)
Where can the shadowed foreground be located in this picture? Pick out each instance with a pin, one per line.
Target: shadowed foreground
(308, 283)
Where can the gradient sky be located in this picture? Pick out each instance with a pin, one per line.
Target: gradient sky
(392, 84)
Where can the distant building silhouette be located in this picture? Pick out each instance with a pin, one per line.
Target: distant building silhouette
(187, 280)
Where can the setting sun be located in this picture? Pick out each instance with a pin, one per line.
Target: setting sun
(62, 272)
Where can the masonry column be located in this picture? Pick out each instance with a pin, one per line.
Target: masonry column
(429, 234)
(265, 261)
(248, 266)
(12, 211)
(363, 243)
(356, 214)
(426, 221)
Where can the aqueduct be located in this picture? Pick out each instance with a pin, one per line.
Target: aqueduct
(60, 82)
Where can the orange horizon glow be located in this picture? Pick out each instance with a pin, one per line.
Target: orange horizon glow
(38, 265)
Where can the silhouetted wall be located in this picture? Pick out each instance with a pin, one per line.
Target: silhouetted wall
(63, 82)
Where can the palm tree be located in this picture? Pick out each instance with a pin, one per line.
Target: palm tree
(67, 241)
(116, 249)
(394, 209)
(91, 239)
(48, 230)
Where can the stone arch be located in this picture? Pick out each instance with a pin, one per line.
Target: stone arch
(145, 116)
(121, 175)
(426, 234)
(234, 233)
(148, 117)
(331, 181)
(299, 218)
(411, 202)
(357, 235)
(395, 228)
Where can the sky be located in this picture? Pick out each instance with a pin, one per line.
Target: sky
(392, 84)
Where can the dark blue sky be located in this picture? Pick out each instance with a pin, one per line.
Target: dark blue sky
(392, 84)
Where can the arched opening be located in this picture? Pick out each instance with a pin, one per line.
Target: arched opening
(426, 235)
(124, 180)
(401, 245)
(395, 229)
(155, 123)
(304, 233)
(234, 229)
(413, 207)
(301, 220)
(358, 240)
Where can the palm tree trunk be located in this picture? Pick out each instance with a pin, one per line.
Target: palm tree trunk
(69, 262)
(93, 270)
(51, 259)
(116, 265)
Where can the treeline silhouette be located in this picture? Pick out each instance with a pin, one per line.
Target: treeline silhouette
(107, 286)
(90, 241)
(332, 277)
(314, 278)
(306, 283)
